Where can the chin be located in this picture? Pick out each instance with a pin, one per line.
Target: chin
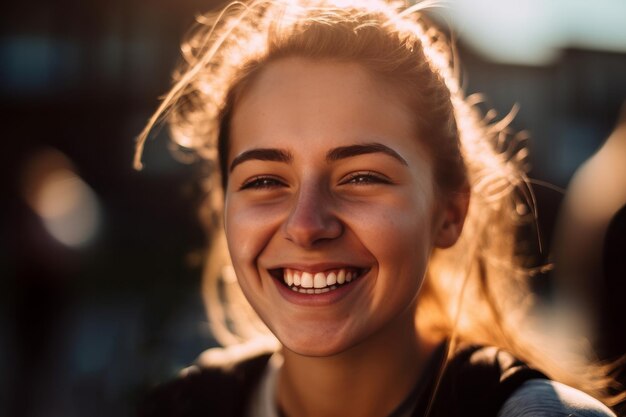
(320, 350)
(319, 345)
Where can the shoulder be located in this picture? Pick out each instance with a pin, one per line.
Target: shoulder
(545, 398)
(486, 376)
(481, 378)
(493, 382)
(219, 383)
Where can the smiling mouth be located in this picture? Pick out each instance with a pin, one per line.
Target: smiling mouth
(319, 282)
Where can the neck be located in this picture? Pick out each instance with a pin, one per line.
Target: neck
(370, 379)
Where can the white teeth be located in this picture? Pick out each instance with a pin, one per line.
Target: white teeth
(318, 283)
(319, 280)
(306, 280)
(341, 276)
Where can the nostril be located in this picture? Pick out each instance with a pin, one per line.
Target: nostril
(312, 216)
(312, 221)
(308, 236)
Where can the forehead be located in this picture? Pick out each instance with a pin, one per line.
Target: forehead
(305, 104)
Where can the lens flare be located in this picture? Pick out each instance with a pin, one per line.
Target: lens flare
(68, 207)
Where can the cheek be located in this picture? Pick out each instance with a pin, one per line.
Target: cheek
(405, 246)
(399, 236)
(396, 227)
(248, 229)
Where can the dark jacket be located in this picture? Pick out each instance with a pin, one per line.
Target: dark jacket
(476, 378)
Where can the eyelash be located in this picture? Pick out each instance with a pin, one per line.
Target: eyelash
(261, 182)
(365, 178)
(356, 178)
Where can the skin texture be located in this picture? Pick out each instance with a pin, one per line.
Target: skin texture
(377, 211)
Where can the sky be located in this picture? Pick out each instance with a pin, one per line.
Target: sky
(531, 32)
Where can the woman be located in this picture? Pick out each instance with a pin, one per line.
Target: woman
(369, 218)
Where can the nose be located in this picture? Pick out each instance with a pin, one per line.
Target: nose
(311, 218)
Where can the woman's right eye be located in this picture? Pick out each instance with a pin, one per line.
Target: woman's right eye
(262, 183)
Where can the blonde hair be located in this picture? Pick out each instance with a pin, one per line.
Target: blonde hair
(475, 291)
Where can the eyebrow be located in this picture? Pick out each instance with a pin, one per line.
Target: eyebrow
(344, 152)
(336, 154)
(262, 154)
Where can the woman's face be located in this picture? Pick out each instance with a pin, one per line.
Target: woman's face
(330, 211)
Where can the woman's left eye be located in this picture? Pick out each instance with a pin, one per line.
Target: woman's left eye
(365, 178)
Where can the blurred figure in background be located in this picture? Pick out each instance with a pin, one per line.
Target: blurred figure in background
(590, 245)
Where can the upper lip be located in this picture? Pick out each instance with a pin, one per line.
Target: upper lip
(316, 267)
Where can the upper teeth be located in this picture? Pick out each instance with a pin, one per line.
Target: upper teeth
(319, 280)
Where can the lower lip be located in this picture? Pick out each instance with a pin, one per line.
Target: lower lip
(325, 298)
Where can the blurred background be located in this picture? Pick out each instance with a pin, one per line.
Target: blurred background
(100, 265)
